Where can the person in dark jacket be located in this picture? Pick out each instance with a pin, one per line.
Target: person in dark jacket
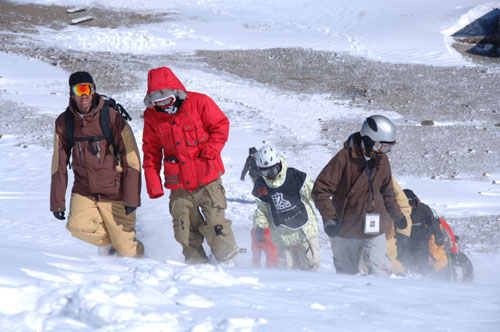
(355, 197)
(250, 166)
(107, 186)
(417, 257)
(185, 132)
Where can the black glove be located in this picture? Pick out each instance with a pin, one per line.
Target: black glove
(59, 215)
(332, 227)
(401, 223)
(130, 209)
(259, 234)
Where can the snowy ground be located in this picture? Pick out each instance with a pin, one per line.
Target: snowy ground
(50, 281)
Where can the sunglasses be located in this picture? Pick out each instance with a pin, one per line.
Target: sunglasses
(384, 147)
(164, 102)
(83, 89)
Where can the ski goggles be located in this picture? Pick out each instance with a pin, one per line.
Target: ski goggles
(384, 147)
(270, 172)
(83, 89)
(164, 102)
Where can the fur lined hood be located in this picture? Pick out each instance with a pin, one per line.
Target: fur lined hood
(162, 82)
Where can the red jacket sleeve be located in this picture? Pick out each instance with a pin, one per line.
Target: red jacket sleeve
(217, 125)
(153, 155)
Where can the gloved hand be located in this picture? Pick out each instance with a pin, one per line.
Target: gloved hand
(332, 227)
(59, 215)
(259, 234)
(401, 223)
(129, 209)
(207, 153)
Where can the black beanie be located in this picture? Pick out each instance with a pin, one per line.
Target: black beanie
(412, 198)
(252, 150)
(80, 77)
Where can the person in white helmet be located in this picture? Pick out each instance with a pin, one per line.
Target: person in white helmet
(283, 196)
(355, 196)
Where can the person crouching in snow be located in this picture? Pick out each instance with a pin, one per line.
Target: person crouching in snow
(283, 196)
(425, 253)
(185, 132)
(355, 195)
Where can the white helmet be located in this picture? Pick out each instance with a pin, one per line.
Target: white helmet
(267, 156)
(379, 128)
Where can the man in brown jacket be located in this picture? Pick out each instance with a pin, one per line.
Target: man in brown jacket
(105, 161)
(354, 194)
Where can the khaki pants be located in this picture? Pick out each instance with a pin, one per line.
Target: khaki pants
(304, 256)
(198, 216)
(347, 255)
(102, 223)
(392, 252)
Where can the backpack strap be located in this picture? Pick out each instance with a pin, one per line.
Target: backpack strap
(106, 129)
(69, 120)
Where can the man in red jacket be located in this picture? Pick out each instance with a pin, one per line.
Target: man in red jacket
(186, 131)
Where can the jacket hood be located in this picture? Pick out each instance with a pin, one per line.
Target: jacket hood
(163, 79)
(162, 83)
(353, 143)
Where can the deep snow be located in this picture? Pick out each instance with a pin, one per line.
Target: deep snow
(50, 281)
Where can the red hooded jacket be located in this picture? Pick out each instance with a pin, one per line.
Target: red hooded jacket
(193, 138)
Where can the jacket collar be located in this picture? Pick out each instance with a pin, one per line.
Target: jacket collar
(353, 143)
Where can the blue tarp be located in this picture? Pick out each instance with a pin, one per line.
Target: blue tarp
(486, 25)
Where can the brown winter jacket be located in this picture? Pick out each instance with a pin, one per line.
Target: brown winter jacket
(96, 176)
(342, 191)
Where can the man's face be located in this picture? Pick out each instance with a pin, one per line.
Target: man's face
(83, 102)
(83, 95)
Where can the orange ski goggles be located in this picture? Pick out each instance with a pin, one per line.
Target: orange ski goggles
(83, 89)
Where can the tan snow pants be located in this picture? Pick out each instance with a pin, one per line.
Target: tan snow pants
(198, 216)
(101, 223)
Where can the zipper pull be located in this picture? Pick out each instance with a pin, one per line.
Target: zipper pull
(98, 154)
(80, 152)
